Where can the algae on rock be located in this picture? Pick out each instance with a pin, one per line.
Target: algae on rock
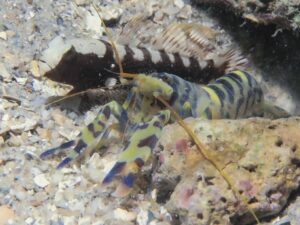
(260, 156)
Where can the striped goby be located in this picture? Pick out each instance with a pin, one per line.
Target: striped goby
(88, 63)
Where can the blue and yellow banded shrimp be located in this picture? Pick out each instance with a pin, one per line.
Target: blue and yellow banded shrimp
(235, 95)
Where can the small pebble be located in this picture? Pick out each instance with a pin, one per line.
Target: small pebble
(58, 117)
(84, 221)
(3, 35)
(93, 22)
(3, 72)
(179, 3)
(29, 221)
(144, 217)
(35, 68)
(21, 80)
(122, 214)
(41, 181)
(82, 2)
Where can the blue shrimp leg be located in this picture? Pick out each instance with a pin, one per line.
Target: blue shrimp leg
(137, 151)
(111, 116)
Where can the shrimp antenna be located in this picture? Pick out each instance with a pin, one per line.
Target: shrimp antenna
(110, 39)
(74, 95)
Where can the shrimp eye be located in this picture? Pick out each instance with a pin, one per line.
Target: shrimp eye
(166, 79)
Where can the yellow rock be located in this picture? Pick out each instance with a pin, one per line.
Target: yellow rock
(35, 68)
